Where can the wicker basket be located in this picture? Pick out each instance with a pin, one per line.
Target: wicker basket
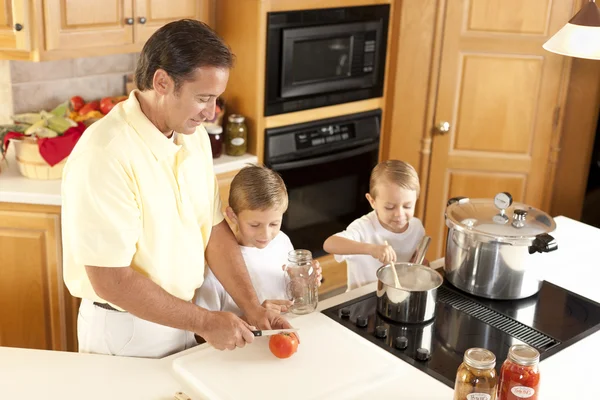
(31, 164)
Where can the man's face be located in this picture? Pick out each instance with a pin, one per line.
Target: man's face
(195, 101)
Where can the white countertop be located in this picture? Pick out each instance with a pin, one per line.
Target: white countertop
(566, 375)
(15, 188)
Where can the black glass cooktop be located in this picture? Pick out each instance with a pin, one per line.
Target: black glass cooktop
(550, 321)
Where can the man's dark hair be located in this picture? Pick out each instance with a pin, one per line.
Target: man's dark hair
(179, 48)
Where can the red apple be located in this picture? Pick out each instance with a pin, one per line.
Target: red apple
(77, 102)
(107, 103)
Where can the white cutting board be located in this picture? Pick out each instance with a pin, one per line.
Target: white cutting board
(332, 362)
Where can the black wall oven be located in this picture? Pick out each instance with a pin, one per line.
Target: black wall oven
(322, 57)
(326, 166)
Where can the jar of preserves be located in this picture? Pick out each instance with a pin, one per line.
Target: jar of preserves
(520, 375)
(215, 134)
(301, 282)
(236, 136)
(476, 378)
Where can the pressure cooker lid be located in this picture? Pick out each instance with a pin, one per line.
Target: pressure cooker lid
(498, 217)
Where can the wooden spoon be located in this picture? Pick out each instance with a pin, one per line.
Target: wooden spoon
(396, 280)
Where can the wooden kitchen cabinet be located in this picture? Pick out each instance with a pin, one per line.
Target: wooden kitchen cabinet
(37, 310)
(224, 181)
(56, 29)
(152, 14)
(14, 17)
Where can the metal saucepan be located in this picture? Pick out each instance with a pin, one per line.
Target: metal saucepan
(414, 301)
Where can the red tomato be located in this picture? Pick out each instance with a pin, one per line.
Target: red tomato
(283, 345)
(91, 106)
(107, 103)
(77, 102)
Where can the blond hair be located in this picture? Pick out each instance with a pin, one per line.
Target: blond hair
(394, 171)
(257, 188)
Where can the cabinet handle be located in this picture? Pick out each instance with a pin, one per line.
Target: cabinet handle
(129, 21)
(18, 27)
(142, 20)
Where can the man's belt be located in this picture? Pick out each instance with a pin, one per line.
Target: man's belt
(106, 306)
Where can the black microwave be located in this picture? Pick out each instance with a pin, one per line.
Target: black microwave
(323, 57)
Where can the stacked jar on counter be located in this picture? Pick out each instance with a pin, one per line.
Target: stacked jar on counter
(476, 378)
(520, 375)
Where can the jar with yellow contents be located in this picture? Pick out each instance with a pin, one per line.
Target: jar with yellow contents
(236, 136)
(476, 378)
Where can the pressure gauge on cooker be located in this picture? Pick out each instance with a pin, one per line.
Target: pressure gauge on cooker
(502, 201)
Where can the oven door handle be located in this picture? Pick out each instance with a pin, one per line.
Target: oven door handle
(325, 159)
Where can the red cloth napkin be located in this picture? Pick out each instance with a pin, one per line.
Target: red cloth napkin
(53, 150)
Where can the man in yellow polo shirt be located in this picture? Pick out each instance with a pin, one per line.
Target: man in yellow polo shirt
(141, 210)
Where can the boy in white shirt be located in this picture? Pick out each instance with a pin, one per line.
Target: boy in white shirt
(257, 201)
(388, 233)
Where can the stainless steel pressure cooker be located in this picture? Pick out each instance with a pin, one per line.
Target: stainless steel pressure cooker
(496, 248)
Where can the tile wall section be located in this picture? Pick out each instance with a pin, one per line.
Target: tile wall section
(44, 85)
(6, 100)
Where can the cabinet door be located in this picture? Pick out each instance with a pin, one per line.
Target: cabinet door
(499, 91)
(152, 14)
(81, 24)
(37, 311)
(15, 31)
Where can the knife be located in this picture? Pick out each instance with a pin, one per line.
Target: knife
(273, 332)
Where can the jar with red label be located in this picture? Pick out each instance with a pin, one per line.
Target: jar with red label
(520, 375)
(476, 377)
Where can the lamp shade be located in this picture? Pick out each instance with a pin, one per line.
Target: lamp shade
(580, 37)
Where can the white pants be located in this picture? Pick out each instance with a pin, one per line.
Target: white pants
(115, 333)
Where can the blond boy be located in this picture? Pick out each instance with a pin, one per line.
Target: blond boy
(257, 201)
(388, 233)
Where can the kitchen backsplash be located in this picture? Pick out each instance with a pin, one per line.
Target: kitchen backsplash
(43, 85)
(6, 103)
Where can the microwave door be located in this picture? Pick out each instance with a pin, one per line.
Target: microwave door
(329, 58)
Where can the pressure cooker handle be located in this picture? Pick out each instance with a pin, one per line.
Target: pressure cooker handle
(455, 200)
(543, 243)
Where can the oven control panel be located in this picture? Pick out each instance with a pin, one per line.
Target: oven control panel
(324, 134)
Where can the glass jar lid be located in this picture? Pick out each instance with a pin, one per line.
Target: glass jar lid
(213, 129)
(498, 217)
(236, 118)
(523, 354)
(479, 358)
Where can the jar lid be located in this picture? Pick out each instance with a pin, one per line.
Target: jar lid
(213, 129)
(479, 358)
(236, 118)
(499, 218)
(523, 354)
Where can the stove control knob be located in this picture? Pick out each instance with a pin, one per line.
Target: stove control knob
(401, 342)
(345, 313)
(381, 332)
(422, 354)
(361, 321)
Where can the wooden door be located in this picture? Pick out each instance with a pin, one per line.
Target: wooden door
(37, 310)
(15, 30)
(152, 14)
(499, 90)
(84, 24)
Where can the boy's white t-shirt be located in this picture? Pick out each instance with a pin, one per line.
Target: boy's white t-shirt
(362, 269)
(266, 273)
